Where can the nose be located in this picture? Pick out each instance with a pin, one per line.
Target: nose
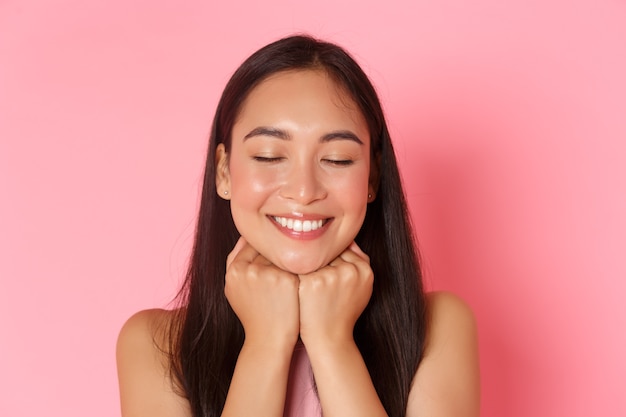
(303, 184)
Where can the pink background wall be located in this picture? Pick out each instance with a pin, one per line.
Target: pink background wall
(510, 125)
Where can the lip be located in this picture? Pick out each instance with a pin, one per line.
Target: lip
(302, 235)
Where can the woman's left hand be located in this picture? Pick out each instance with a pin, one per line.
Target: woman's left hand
(332, 298)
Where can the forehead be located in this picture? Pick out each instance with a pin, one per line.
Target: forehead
(308, 97)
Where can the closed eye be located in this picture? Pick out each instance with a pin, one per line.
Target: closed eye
(267, 159)
(339, 162)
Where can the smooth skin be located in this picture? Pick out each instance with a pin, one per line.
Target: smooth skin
(445, 385)
(300, 150)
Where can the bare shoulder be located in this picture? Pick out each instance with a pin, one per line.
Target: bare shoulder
(146, 387)
(145, 326)
(447, 382)
(447, 312)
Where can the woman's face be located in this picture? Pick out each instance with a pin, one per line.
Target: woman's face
(298, 170)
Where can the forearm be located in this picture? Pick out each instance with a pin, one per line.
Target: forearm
(343, 381)
(259, 382)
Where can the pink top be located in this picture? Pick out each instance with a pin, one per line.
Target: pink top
(301, 400)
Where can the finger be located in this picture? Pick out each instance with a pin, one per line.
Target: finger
(242, 251)
(233, 253)
(354, 254)
(347, 256)
(356, 249)
(358, 260)
(261, 260)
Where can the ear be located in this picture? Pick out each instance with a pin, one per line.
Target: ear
(222, 174)
(374, 179)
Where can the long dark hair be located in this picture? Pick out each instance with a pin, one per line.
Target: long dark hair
(206, 337)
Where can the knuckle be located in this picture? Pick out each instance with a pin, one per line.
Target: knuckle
(317, 280)
(349, 270)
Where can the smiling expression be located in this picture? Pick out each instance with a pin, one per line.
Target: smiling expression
(298, 172)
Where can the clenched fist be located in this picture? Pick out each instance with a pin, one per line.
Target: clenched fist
(332, 298)
(264, 298)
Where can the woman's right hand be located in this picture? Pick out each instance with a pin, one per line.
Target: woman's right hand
(264, 298)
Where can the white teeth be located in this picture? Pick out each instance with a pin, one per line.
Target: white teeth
(299, 225)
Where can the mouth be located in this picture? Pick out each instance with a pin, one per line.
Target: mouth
(300, 225)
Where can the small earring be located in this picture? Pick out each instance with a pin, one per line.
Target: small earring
(225, 192)
(369, 196)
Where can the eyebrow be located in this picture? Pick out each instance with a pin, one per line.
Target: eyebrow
(284, 135)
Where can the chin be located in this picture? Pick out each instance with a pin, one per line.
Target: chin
(300, 265)
(299, 268)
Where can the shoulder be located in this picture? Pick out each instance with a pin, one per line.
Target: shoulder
(145, 334)
(143, 324)
(447, 382)
(447, 311)
(146, 387)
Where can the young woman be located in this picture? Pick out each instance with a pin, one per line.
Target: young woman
(303, 295)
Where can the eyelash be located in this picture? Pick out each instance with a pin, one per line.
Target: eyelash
(266, 159)
(339, 162)
(336, 162)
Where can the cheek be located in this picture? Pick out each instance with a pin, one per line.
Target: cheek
(246, 180)
(351, 189)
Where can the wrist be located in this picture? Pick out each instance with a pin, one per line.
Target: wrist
(270, 346)
(328, 343)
